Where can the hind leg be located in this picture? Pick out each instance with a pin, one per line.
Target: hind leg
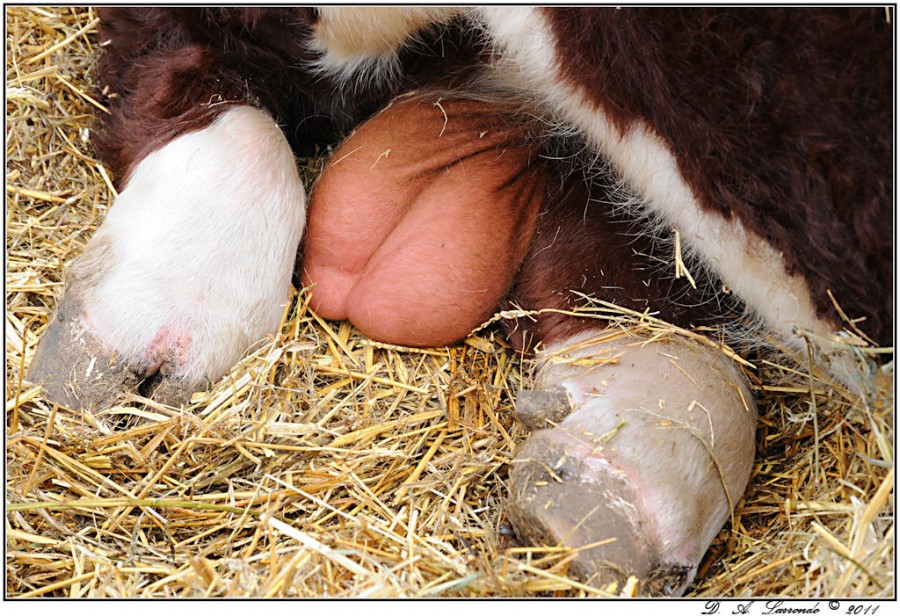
(192, 265)
(641, 446)
(190, 268)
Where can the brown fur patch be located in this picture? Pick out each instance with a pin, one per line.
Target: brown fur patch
(780, 117)
(582, 249)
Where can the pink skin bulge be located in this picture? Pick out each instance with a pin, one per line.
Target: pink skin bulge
(420, 221)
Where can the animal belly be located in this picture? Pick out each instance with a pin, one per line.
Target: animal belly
(421, 219)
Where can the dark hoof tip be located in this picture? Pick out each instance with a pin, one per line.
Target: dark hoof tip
(558, 499)
(537, 409)
(73, 367)
(76, 370)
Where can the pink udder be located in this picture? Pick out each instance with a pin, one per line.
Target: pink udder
(421, 220)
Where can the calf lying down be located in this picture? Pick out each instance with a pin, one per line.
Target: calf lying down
(490, 166)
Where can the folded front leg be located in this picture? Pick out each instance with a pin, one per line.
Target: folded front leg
(641, 447)
(191, 267)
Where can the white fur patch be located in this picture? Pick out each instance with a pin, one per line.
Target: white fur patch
(744, 261)
(354, 40)
(197, 252)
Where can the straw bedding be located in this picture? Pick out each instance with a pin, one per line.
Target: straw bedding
(328, 465)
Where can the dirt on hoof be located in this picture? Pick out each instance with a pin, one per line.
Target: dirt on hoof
(74, 368)
(169, 390)
(537, 409)
(556, 500)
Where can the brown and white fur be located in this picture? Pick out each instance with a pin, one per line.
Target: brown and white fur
(762, 136)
